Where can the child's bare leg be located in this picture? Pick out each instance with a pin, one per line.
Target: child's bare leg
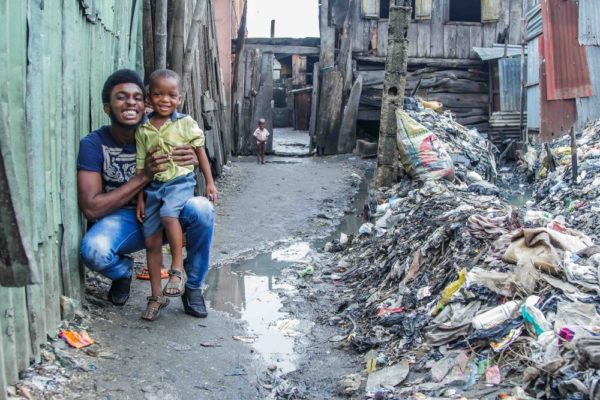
(154, 260)
(175, 238)
(258, 152)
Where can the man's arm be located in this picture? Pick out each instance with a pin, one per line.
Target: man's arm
(95, 203)
(211, 189)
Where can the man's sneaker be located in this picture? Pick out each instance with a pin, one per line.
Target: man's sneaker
(119, 291)
(193, 303)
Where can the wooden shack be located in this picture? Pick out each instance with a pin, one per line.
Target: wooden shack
(442, 64)
(273, 80)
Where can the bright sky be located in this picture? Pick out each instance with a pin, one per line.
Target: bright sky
(293, 18)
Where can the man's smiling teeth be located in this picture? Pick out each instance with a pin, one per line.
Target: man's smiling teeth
(129, 114)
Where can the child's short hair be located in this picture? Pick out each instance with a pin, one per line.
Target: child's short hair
(162, 74)
(119, 77)
(262, 121)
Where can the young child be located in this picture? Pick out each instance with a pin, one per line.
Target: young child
(165, 128)
(261, 134)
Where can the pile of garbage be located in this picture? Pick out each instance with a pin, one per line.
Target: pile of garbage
(449, 291)
(555, 192)
(433, 144)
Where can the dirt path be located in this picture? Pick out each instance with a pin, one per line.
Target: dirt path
(183, 357)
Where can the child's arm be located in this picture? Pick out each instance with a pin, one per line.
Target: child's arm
(211, 190)
(141, 204)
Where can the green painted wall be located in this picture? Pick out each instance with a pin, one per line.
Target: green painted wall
(55, 56)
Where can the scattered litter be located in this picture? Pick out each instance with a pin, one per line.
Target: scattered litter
(212, 343)
(296, 253)
(388, 377)
(469, 290)
(308, 271)
(245, 339)
(76, 339)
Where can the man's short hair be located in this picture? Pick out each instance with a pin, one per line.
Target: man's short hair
(119, 77)
(162, 74)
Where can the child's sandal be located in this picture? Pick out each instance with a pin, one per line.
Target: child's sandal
(152, 311)
(178, 287)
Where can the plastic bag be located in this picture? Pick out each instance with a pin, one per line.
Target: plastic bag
(421, 153)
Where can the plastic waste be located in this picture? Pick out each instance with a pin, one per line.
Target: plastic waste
(537, 218)
(449, 291)
(534, 317)
(495, 316)
(310, 270)
(76, 339)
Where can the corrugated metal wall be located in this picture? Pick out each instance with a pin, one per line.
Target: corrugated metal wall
(510, 84)
(588, 108)
(55, 57)
(533, 84)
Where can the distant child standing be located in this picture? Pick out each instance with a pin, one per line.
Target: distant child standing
(261, 134)
(165, 128)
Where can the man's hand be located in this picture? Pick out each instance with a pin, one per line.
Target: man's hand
(184, 155)
(139, 212)
(155, 163)
(212, 193)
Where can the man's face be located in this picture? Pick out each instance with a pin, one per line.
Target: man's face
(126, 107)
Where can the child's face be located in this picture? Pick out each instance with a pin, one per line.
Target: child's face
(261, 125)
(164, 96)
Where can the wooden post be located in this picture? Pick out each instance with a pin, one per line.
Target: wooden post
(160, 34)
(524, 137)
(330, 96)
(393, 92)
(176, 61)
(191, 45)
(148, 38)
(574, 156)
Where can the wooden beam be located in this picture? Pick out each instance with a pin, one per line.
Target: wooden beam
(393, 93)
(430, 62)
(281, 49)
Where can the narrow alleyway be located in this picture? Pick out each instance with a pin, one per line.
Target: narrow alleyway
(288, 201)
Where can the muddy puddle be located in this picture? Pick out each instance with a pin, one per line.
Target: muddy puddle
(254, 290)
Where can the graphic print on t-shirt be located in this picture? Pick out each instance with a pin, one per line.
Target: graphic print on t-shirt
(118, 168)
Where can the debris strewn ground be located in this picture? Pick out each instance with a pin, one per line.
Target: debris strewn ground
(451, 292)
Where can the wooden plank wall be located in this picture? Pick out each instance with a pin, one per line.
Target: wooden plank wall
(441, 56)
(436, 37)
(58, 58)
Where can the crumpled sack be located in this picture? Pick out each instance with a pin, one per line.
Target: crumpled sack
(422, 154)
(540, 245)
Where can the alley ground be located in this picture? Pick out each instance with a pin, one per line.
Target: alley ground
(290, 201)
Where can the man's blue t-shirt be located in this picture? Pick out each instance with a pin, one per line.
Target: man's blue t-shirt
(99, 152)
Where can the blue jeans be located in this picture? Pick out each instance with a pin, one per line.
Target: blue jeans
(110, 239)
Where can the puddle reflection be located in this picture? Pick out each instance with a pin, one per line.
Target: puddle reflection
(248, 291)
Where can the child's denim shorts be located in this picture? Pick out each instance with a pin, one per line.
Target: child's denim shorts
(166, 199)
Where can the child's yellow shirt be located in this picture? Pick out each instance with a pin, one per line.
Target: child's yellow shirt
(180, 129)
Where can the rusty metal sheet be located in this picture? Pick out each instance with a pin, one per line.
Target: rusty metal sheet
(589, 22)
(568, 75)
(557, 116)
